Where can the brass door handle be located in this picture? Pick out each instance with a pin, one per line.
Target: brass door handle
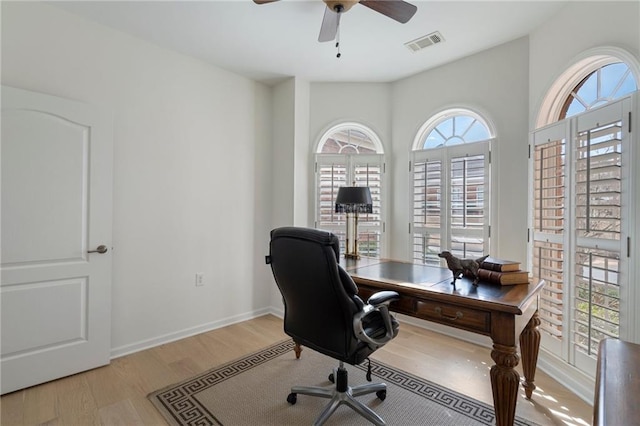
(100, 249)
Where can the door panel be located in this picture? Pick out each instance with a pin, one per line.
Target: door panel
(56, 205)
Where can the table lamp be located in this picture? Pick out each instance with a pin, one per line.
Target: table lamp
(353, 200)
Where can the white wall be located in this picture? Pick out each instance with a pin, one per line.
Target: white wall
(578, 27)
(495, 84)
(366, 103)
(191, 183)
(282, 156)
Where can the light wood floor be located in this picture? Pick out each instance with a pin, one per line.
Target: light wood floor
(116, 394)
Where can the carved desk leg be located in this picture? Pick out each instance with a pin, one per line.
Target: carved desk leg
(297, 349)
(504, 383)
(529, 348)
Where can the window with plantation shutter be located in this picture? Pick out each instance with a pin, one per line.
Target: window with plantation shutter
(579, 190)
(350, 154)
(450, 187)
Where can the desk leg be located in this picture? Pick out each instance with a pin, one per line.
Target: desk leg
(529, 348)
(504, 383)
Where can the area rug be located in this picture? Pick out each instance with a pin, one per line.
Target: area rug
(253, 390)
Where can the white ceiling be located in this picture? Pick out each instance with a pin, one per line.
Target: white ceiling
(273, 41)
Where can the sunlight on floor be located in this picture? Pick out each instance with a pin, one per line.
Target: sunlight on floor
(554, 409)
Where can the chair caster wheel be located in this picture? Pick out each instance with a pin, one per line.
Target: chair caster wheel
(331, 378)
(292, 398)
(382, 395)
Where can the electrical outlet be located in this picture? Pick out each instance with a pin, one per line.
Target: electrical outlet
(199, 279)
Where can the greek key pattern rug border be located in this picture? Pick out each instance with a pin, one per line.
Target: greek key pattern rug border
(179, 402)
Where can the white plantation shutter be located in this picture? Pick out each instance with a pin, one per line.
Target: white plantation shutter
(330, 176)
(336, 170)
(598, 199)
(368, 171)
(450, 202)
(549, 193)
(469, 177)
(427, 210)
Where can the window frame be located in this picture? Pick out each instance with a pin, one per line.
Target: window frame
(569, 130)
(352, 161)
(446, 154)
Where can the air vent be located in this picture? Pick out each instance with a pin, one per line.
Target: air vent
(426, 41)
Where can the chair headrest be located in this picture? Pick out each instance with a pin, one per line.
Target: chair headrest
(309, 234)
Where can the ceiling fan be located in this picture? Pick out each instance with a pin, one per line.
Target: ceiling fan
(398, 10)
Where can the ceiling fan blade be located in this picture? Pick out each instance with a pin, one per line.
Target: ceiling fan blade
(329, 27)
(263, 1)
(398, 10)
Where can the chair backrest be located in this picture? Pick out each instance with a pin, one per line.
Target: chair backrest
(319, 297)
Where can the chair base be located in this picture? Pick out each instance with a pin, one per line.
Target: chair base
(342, 393)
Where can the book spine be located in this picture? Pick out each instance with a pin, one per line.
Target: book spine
(491, 266)
(500, 267)
(489, 275)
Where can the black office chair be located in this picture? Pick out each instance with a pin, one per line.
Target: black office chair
(322, 311)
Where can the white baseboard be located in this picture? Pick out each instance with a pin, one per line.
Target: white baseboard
(188, 332)
(277, 312)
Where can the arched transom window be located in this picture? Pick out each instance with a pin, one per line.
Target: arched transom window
(350, 139)
(603, 85)
(453, 127)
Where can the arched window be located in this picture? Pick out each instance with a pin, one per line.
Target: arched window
(450, 179)
(350, 154)
(349, 139)
(597, 76)
(603, 85)
(580, 216)
(454, 127)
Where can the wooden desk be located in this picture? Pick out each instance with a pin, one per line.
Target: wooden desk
(617, 384)
(504, 313)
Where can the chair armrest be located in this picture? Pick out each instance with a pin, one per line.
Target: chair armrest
(381, 297)
(378, 302)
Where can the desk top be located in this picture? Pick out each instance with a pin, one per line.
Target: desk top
(617, 383)
(417, 280)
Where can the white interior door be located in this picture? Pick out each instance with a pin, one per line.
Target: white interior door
(56, 189)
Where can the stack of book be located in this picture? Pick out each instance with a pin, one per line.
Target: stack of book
(503, 272)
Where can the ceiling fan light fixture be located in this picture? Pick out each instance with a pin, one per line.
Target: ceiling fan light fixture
(340, 6)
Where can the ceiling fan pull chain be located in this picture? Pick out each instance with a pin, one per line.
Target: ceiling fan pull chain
(338, 42)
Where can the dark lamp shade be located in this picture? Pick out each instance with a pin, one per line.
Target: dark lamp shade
(353, 199)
